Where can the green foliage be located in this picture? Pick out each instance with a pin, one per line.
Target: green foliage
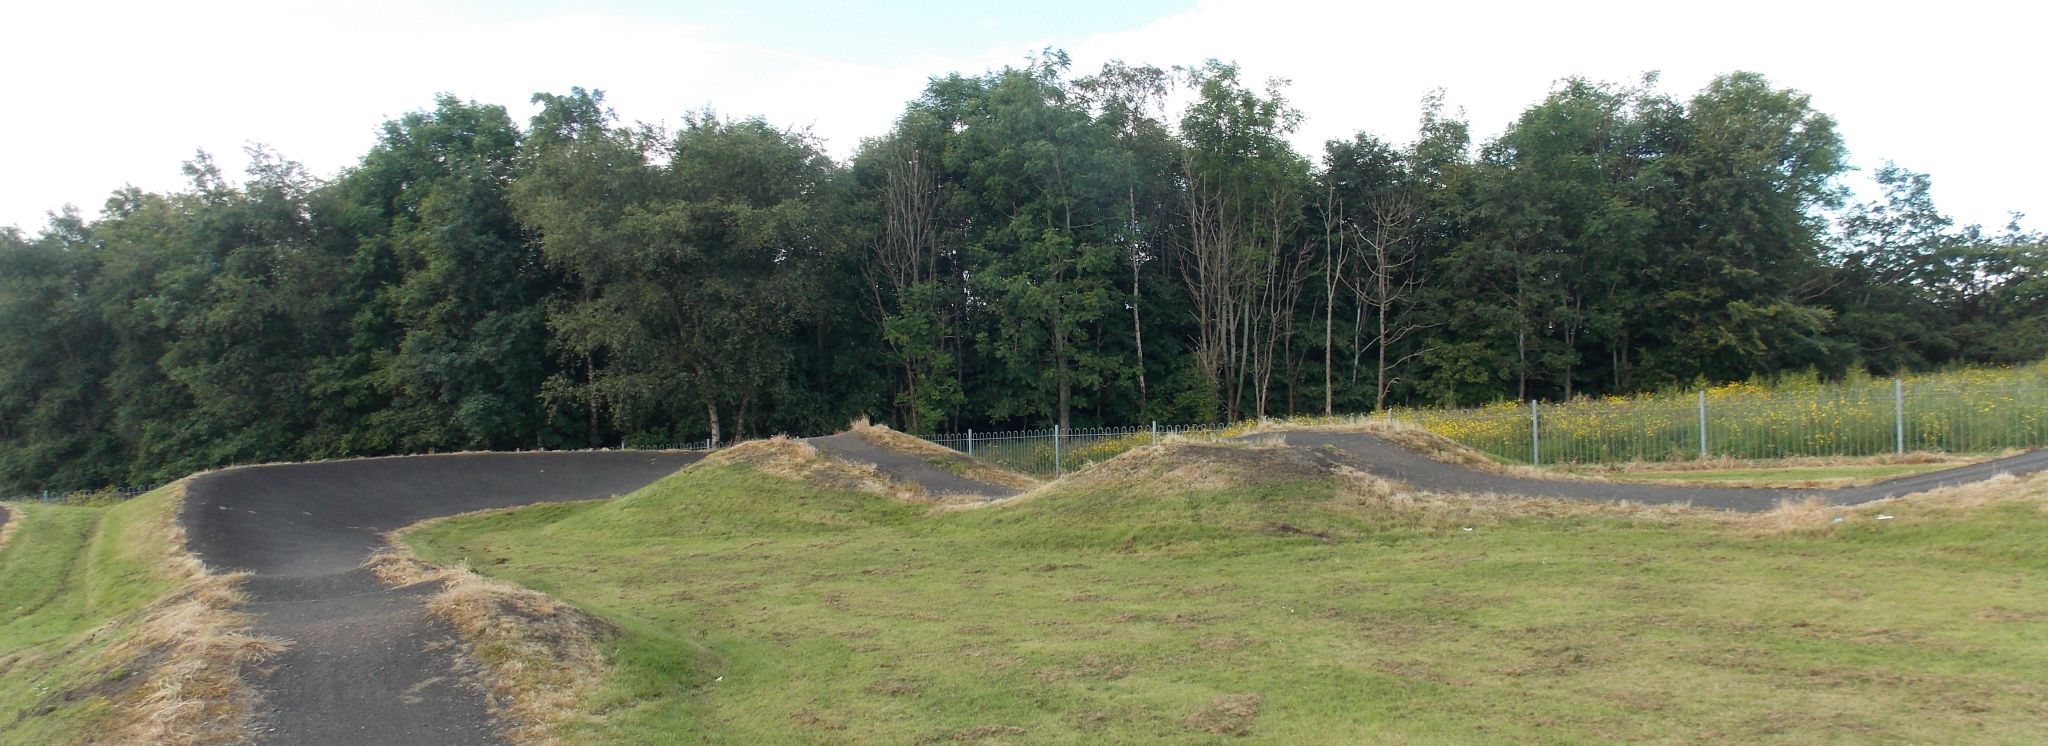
(1022, 248)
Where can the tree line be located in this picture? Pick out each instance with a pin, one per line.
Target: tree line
(1023, 247)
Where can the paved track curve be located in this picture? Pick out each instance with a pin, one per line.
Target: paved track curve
(368, 666)
(1386, 459)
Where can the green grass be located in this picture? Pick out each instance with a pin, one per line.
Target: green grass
(72, 581)
(759, 610)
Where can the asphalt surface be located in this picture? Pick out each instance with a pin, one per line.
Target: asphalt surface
(852, 447)
(1388, 460)
(367, 665)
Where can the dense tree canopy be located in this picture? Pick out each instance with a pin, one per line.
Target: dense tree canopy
(1024, 247)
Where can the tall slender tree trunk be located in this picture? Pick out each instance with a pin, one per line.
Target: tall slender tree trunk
(711, 413)
(1137, 325)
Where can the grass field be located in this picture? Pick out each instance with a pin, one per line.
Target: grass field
(73, 581)
(1284, 608)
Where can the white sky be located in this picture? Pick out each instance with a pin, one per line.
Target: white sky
(110, 93)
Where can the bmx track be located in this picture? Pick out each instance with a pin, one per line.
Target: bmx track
(367, 665)
(1385, 459)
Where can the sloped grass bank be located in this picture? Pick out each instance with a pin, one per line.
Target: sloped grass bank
(110, 632)
(1285, 607)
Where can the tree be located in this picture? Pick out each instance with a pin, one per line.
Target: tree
(1244, 264)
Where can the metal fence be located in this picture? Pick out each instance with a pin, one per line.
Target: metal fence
(81, 497)
(1891, 417)
(1739, 421)
(1055, 451)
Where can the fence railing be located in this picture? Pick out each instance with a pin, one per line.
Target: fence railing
(80, 497)
(1894, 417)
(1055, 451)
(1738, 422)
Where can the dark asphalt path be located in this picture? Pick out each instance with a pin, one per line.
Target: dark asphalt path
(368, 666)
(1391, 461)
(937, 481)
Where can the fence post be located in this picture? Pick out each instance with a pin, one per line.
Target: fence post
(1059, 469)
(1703, 424)
(970, 441)
(1155, 432)
(1899, 414)
(1535, 436)
(46, 497)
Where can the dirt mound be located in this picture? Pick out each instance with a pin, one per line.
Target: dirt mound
(1178, 465)
(795, 459)
(922, 469)
(540, 656)
(943, 457)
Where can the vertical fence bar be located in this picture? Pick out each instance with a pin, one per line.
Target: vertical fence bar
(1059, 469)
(1155, 432)
(1535, 436)
(970, 441)
(1899, 415)
(1703, 424)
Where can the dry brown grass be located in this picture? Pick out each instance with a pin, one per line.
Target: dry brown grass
(1813, 516)
(1228, 715)
(1808, 515)
(13, 522)
(941, 456)
(1430, 444)
(541, 658)
(200, 644)
(789, 458)
(1177, 464)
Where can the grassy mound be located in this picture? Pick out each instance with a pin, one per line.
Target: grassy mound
(110, 632)
(1140, 603)
(943, 457)
(794, 459)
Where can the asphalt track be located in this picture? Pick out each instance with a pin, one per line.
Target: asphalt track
(1388, 460)
(852, 447)
(367, 666)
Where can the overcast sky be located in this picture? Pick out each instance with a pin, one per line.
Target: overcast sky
(103, 94)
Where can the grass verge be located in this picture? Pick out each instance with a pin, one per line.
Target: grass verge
(110, 632)
(1283, 605)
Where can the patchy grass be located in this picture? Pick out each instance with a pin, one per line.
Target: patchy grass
(110, 632)
(1302, 605)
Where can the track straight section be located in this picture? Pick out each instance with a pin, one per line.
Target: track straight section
(367, 664)
(1391, 461)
